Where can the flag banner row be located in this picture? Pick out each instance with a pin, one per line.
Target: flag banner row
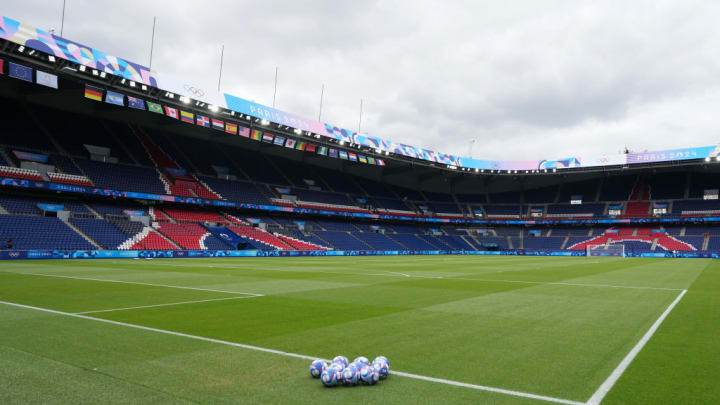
(25, 73)
(111, 97)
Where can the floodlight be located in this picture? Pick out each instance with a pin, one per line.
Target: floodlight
(103, 74)
(51, 58)
(132, 83)
(82, 68)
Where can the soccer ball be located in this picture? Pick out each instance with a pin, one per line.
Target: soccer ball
(329, 377)
(350, 376)
(368, 375)
(382, 359)
(342, 360)
(316, 368)
(382, 369)
(361, 361)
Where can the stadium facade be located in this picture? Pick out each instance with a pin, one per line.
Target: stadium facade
(103, 157)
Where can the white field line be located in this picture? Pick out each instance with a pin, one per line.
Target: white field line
(135, 282)
(394, 274)
(165, 305)
(299, 356)
(568, 284)
(620, 369)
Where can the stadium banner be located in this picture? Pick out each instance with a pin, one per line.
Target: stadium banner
(21, 72)
(93, 93)
(154, 107)
(203, 121)
(187, 117)
(46, 79)
(171, 112)
(33, 157)
(43, 41)
(112, 97)
(41, 185)
(137, 103)
(181, 254)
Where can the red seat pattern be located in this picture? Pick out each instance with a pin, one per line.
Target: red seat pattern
(158, 215)
(637, 210)
(153, 241)
(300, 245)
(69, 179)
(17, 173)
(262, 236)
(187, 236)
(181, 215)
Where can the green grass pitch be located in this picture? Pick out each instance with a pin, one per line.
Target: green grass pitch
(556, 328)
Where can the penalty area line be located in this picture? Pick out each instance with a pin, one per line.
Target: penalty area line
(164, 305)
(295, 355)
(134, 282)
(620, 369)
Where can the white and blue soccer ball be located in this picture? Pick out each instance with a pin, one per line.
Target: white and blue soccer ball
(369, 375)
(350, 376)
(342, 360)
(382, 369)
(317, 367)
(362, 361)
(329, 376)
(382, 359)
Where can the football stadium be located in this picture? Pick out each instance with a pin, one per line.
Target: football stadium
(160, 243)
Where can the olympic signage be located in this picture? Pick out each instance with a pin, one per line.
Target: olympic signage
(52, 44)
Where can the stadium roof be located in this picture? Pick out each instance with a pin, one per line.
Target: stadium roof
(67, 57)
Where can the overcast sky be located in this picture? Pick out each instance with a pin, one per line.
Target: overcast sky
(525, 79)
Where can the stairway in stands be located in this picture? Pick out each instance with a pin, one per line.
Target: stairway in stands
(179, 182)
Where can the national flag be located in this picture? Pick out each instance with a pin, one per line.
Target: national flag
(2, 65)
(93, 93)
(268, 137)
(46, 79)
(171, 112)
(380, 162)
(352, 157)
(311, 147)
(333, 153)
(323, 150)
(300, 145)
(20, 72)
(243, 131)
(279, 140)
(362, 159)
(153, 107)
(203, 121)
(371, 160)
(256, 135)
(290, 143)
(187, 117)
(231, 128)
(218, 124)
(343, 155)
(112, 97)
(134, 102)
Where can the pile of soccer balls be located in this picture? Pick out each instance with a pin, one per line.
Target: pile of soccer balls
(340, 371)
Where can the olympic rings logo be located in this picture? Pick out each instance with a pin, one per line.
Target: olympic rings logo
(194, 91)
